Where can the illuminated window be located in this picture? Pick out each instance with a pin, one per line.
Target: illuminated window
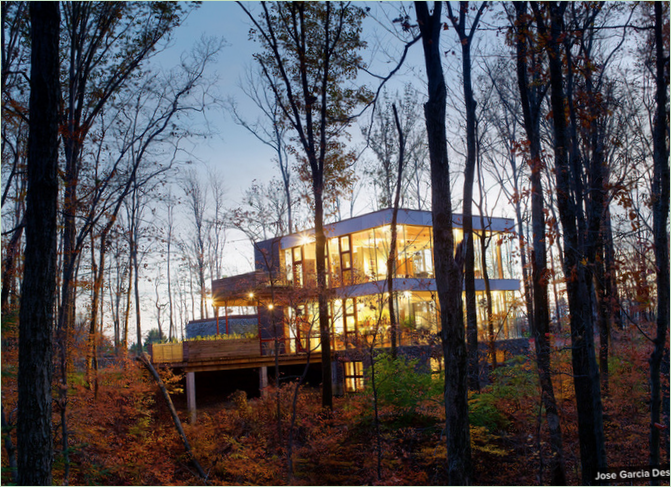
(333, 255)
(298, 266)
(288, 262)
(353, 376)
(346, 259)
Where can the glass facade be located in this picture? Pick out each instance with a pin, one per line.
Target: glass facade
(362, 257)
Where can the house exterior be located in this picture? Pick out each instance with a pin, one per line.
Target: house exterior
(274, 308)
(283, 287)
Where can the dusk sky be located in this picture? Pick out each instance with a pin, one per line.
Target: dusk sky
(232, 151)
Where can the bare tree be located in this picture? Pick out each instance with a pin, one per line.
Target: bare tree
(216, 226)
(531, 95)
(550, 23)
(271, 131)
(310, 51)
(196, 196)
(448, 265)
(14, 129)
(465, 35)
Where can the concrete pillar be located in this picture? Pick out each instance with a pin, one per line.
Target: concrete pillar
(336, 379)
(191, 395)
(263, 380)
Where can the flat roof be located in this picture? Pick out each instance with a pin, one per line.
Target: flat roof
(383, 217)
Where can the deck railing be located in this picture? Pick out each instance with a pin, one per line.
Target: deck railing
(203, 350)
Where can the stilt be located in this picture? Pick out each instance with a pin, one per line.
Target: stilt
(263, 381)
(336, 379)
(191, 395)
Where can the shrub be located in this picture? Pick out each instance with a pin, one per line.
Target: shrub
(400, 385)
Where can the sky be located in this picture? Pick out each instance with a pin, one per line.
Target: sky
(233, 152)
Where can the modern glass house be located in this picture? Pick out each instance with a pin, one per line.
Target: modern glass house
(279, 300)
(284, 285)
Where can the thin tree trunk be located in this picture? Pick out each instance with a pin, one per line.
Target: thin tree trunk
(469, 177)
(488, 294)
(448, 268)
(128, 303)
(585, 370)
(138, 313)
(531, 103)
(324, 326)
(142, 358)
(391, 260)
(9, 266)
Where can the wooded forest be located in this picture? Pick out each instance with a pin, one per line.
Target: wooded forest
(553, 114)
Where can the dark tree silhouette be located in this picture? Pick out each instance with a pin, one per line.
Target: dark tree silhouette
(39, 280)
(449, 268)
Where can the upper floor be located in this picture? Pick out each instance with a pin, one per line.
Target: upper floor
(357, 250)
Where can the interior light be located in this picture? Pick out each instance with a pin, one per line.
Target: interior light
(250, 295)
(271, 306)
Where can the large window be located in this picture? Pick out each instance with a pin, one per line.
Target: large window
(333, 255)
(354, 376)
(363, 256)
(505, 320)
(289, 265)
(415, 256)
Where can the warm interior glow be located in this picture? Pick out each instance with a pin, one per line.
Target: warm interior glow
(271, 306)
(250, 295)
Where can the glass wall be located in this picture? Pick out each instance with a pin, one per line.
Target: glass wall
(415, 253)
(362, 256)
(506, 321)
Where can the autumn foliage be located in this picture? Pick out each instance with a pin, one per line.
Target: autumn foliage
(124, 435)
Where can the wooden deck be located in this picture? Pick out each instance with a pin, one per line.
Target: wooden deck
(211, 355)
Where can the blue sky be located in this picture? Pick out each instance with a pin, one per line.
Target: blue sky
(233, 152)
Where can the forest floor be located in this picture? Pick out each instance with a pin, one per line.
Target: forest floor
(124, 434)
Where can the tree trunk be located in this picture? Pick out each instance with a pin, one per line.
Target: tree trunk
(36, 317)
(126, 319)
(448, 268)
(585, 370)
(391, 260)
(142, 358)
(531, 103)
(488, 296)
(324, 325)
(469, 268)
(469, 177)
(660, 193)
(9, 266)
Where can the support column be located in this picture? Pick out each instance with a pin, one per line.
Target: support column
(191, 395)
(336, 379)
(263, 381)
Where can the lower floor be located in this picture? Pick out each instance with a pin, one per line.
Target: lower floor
(364, 321)
(348, 372)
